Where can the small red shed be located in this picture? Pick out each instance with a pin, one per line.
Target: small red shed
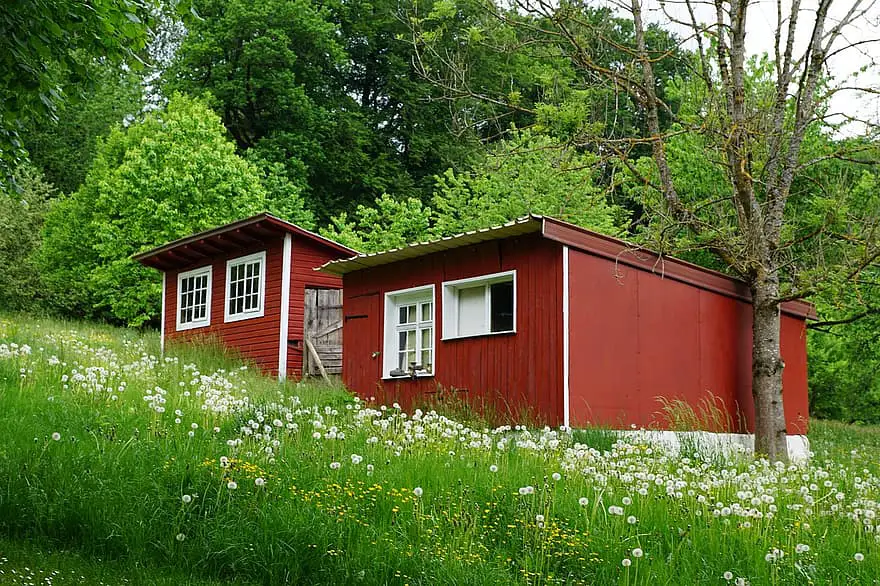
(543, 316)
(246, 283)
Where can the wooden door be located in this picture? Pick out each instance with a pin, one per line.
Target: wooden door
(323, 331)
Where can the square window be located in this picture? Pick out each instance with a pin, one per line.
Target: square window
(245, 287)
(480, 306)
(194, 298)
(409, 333)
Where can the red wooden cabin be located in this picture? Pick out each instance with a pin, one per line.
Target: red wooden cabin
(245, 283)
(543, 316)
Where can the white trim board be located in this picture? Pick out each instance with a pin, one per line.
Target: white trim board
(162, 317)
(566, 343)
(286, 262)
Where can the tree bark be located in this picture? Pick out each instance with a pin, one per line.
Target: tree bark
(767, 366)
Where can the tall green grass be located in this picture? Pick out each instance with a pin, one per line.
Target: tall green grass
(447, 501)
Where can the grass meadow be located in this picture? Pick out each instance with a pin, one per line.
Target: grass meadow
(120, 466)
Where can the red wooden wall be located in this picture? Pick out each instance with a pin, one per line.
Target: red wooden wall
(513, 372)
(255, 338)
(636, 336)
(306, 256)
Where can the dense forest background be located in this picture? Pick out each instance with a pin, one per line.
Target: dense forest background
(377, 123)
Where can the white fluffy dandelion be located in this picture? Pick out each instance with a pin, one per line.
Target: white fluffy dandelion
(583, 501)
(187, 499)
(260, 481)
(637, 552)
(728, 575)
(418, 491)
(626, 562)
(56, 436)
(859, 557)
(231, 485)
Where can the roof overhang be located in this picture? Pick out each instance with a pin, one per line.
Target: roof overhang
(526, 225)
(245, 233)
(567, 234)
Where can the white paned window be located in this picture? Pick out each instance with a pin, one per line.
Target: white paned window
(480, 306)
(194, 298)
(245, 286)
(409, 332)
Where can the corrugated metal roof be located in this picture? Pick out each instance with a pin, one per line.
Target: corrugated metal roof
(524, 225)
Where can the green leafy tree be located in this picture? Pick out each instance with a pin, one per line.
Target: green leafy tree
(329, 90)
(167, 176)
(64, 150)
(22, 211)
(526, 174)
(390, 223)
(42, 41)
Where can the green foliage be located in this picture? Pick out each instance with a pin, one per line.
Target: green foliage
(21, 218)
(389, 224)
(167, 176)
(42, 41)
(526, 174)
(64, 150)
(844, 365)
(324, 89)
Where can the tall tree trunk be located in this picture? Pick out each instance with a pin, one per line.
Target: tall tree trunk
(767, 365)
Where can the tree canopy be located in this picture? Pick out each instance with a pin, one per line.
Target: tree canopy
(171, 174)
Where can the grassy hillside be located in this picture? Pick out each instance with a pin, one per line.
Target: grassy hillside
(197, 465)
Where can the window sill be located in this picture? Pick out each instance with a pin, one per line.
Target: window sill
(408, 377)
(484, 335)
(192, 326)
(242, 316)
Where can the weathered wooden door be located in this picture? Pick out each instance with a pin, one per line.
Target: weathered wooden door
(323, 332)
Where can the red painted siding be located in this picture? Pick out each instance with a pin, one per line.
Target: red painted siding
(256, 338)
(306, 256)
(635, 336)
(512, 372)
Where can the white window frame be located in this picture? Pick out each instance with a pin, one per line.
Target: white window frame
(393, 300)
(206, 321)
(261, 306)
(450, 303)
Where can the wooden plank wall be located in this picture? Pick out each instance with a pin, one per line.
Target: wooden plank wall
(636, 336)
(306, 256)
(255, 338)
(512, 373)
